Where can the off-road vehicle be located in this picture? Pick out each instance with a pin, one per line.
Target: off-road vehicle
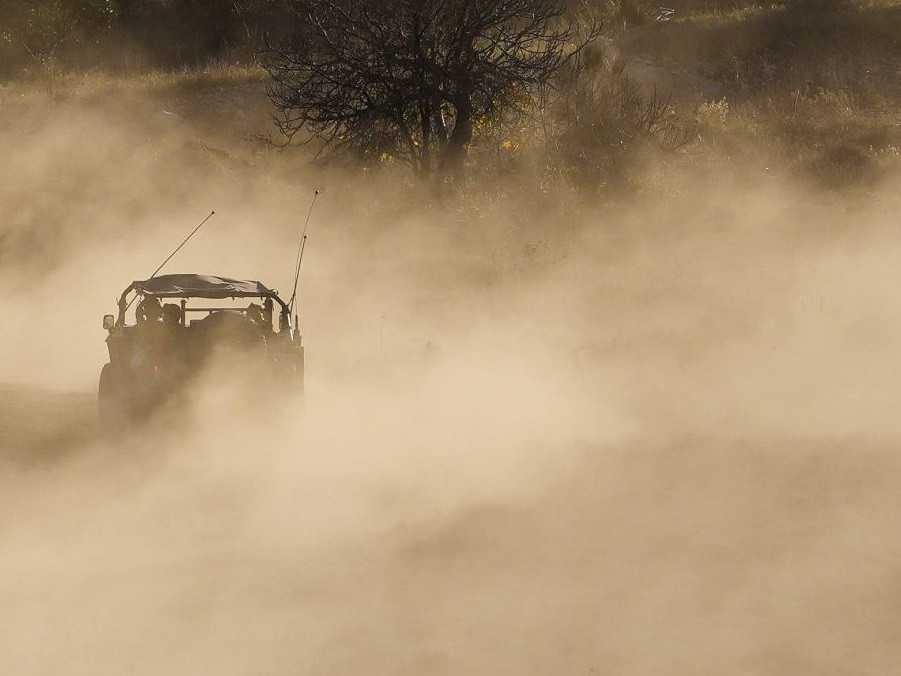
(178, 325)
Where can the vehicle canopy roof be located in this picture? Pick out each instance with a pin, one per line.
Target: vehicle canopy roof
(201, 286)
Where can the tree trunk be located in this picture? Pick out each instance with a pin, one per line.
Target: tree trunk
(460, 138)
(425, 154)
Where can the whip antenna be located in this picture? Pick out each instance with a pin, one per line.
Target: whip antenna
(301, 246)
(179, 247)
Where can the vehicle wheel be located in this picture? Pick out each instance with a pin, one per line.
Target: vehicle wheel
(111, 407)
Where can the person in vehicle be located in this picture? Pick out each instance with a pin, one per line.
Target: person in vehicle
(171, 356)
(148, 348)
(255, 314)
(149, 310)
(172, 315)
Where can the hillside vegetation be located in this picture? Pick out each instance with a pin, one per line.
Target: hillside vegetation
(814, 86)
(805, 89)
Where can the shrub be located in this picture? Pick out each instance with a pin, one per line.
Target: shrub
(602, 120)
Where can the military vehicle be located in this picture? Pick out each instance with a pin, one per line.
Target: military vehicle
(179, 322)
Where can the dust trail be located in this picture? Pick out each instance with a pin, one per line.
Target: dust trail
(654, 441)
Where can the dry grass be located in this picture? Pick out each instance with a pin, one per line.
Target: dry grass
(99, 83)
(817, 94)
(815, 90)
(220, 102)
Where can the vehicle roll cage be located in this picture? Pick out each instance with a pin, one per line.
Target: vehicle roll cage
(124, 304)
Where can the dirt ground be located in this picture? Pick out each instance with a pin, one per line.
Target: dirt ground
(661, 440)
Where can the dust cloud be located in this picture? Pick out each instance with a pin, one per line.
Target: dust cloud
(651, 439)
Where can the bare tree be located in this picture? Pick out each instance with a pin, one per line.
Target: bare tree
(410, 78)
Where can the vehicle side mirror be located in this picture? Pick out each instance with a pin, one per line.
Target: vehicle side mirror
(109, 322)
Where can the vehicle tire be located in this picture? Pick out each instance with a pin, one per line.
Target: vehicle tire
(111, 408)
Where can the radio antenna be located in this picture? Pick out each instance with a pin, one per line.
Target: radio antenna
(177, 249)
(185, 241)
(301, 247)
